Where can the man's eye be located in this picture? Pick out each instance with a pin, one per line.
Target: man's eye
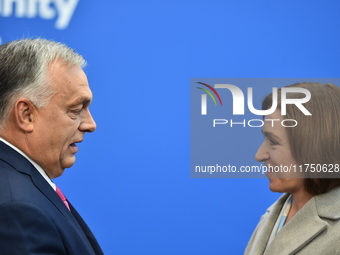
(77, 112)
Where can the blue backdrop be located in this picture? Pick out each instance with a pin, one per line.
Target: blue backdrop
(141, 55)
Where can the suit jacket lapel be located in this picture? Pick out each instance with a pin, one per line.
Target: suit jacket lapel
(48, 191)
(259, 240)
(50, 194)
(299, 231)
(89, 235)
(22, 165)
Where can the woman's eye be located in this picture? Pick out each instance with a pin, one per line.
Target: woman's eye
(273, 142)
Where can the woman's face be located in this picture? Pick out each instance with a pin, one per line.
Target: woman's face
(276, 154)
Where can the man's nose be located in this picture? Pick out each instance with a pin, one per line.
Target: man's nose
(88, 125)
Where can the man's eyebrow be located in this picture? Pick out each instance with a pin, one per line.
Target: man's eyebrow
(82, 100)
(270, 135)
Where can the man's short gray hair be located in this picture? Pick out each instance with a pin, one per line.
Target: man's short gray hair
(23, 71)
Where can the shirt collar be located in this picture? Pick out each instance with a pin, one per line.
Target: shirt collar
(39, 168)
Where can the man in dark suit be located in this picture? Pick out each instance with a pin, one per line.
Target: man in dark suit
(44, 113)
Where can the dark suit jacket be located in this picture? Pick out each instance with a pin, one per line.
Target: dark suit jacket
(33, 219)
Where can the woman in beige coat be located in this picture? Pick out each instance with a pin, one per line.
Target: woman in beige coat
(306, 219)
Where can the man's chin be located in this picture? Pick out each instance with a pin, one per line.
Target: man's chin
(68, 162)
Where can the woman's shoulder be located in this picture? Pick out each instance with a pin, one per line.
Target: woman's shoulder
(328, 204)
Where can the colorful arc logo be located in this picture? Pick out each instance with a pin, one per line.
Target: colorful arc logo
(204, 97)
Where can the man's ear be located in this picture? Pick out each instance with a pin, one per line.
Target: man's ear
(25, 113)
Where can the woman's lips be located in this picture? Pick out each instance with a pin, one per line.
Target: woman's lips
(268, 174)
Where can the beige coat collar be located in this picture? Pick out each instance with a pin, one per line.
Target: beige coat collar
(303, 228)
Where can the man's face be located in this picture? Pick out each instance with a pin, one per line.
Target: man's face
(62, 123)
